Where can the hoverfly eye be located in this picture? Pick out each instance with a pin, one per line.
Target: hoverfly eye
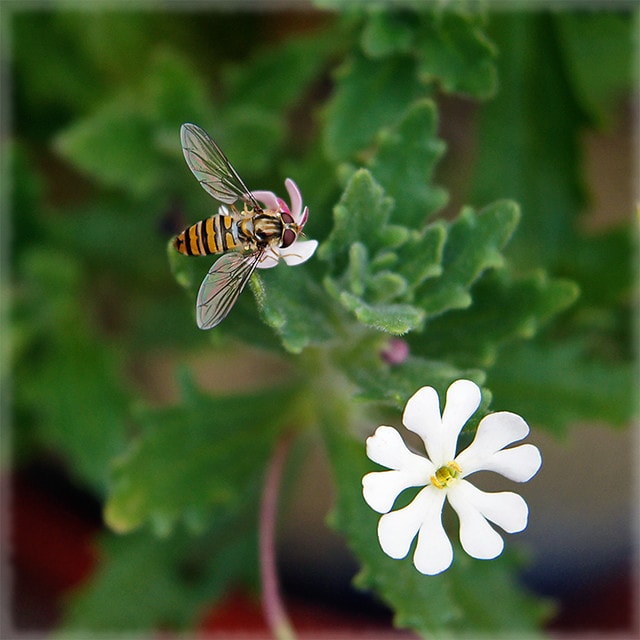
(287, 218)
(288, 238)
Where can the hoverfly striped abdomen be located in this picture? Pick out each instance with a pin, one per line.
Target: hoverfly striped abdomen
(217, 234)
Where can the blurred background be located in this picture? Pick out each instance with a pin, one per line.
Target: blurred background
(97, 322)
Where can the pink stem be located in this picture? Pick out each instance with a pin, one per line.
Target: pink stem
(272, 606)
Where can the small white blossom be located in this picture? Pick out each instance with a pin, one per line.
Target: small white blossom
(442, 474)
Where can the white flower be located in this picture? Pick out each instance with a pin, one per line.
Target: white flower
(301, 250)
(442, 474)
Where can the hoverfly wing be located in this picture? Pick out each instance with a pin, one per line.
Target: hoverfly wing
(222, 286)
(212, 168)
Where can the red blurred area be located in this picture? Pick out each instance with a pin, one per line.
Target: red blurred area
(239, 612)
(49, 552)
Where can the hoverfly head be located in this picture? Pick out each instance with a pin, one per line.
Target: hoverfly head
(290, 230)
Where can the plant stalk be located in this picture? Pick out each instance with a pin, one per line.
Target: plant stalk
(272, 606)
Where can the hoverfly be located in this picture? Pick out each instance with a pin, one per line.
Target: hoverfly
(244, 237)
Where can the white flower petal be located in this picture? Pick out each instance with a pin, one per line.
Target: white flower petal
(506, 509)
(386, 447)
(300, 251)
(422, 416)
(269, 260)
(478, 538)
(268, 198)
(434, 552)
(518, 463)
(496, 431)
(381, 488)
(463, 398)
(475, 507)
(295, 198)
(396, 530)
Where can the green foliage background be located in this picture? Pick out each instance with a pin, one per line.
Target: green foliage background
(509, 291)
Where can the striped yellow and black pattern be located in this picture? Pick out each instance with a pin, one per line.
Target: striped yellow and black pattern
(217, 234)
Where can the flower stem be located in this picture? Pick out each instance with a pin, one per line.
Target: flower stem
(272, 606)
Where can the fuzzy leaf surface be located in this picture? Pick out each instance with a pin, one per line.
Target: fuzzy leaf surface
(161, 583)
(376, 91)
(456, 52)
(404, 163)
(174, 472)
(371, 277)
(291, 303)
(504, 310)
(473, 245)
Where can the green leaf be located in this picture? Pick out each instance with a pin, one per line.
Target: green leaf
(279, 75)
(603, 264)
(357, 269)
(194, 459)
(27, 197)
(504, 309)
(473, 596)
(105, 235)
(405, 161)
(132, 141)
(394, 385)
(396, 319)
(254, 129)
(68, 378)
(456, 52)
(528, 139)
(361, 215)
(473, 245)
(388, 32)
(375, 92)
(188, 273)
(421, 255)
(556, 385)
(377, 279)
(597, 50)
(175, 94)
(144, 583)
(251, 135)
(45, 48)
(293, 304)
(113, 145)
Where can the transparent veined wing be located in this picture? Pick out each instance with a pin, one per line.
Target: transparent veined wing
(222, 286)
(212, 168)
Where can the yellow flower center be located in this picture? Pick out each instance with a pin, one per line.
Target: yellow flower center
(445, 475)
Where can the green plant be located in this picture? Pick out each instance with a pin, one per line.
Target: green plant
(506, 292)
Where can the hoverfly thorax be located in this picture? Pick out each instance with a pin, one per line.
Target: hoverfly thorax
(275, 228)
